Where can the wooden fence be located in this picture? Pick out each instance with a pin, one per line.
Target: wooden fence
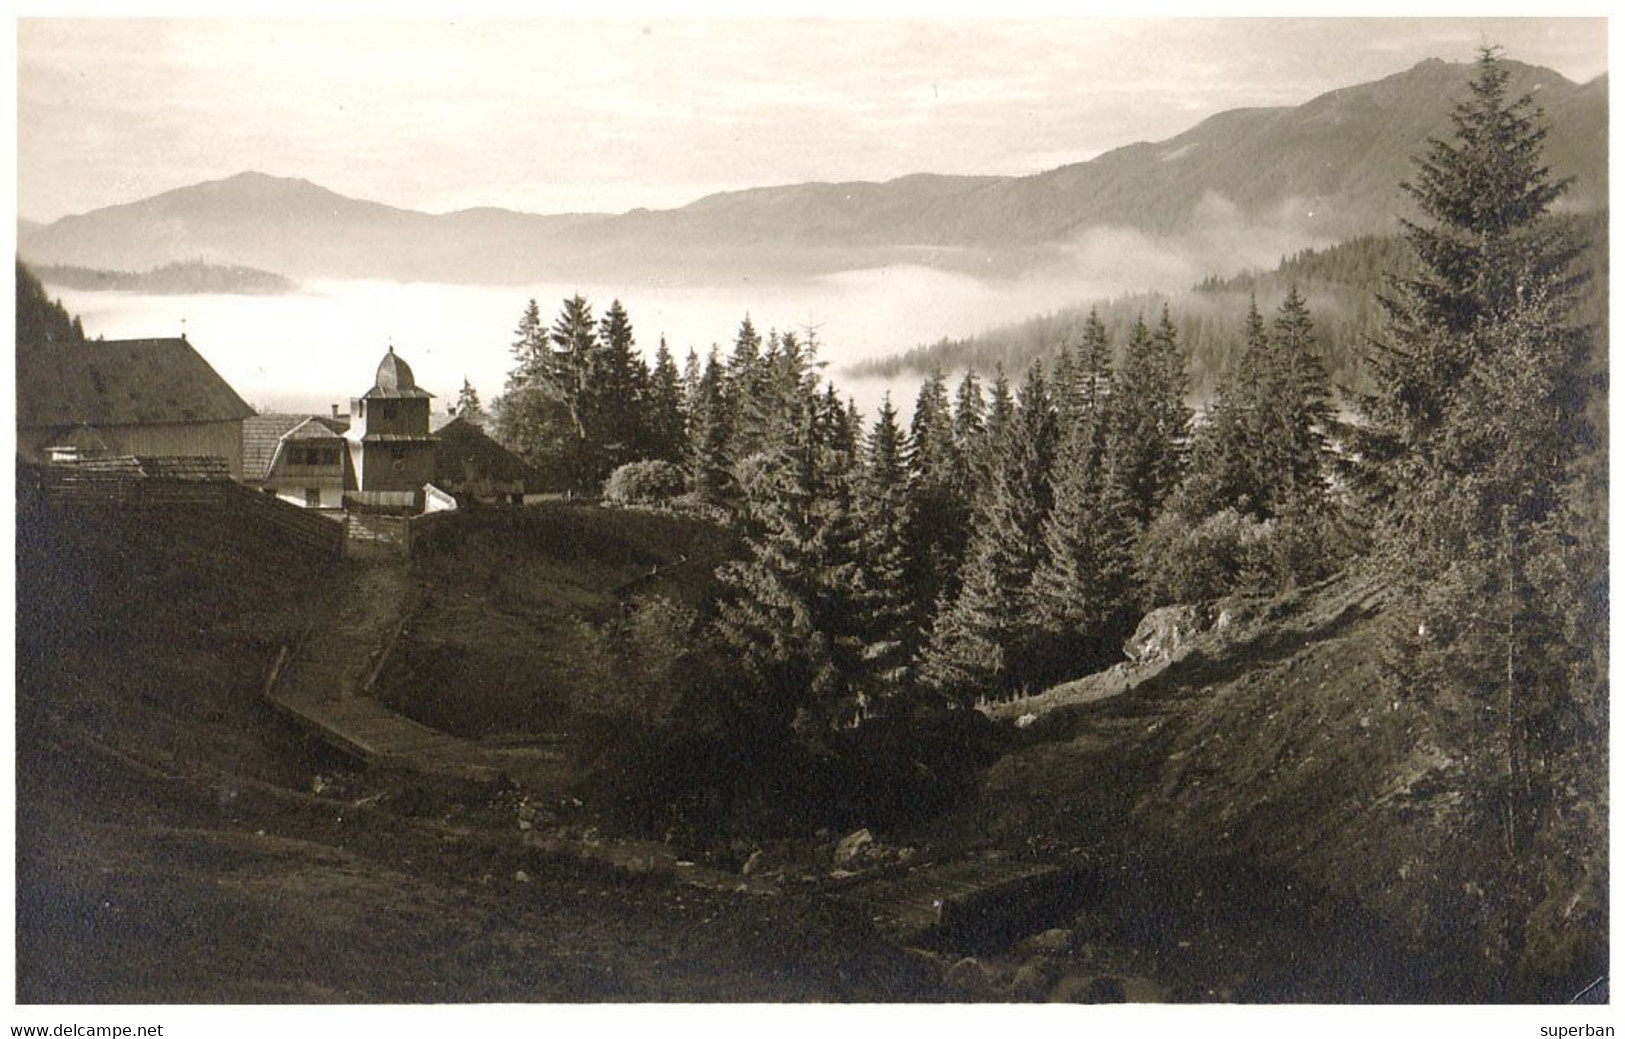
(237, 509)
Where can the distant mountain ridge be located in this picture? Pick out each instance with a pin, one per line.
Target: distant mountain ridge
(191, 278)
(1326, 170)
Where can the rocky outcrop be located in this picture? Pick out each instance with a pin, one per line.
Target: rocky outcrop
(1163, 632)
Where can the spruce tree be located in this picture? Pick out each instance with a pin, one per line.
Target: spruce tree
(1474, 443)
(468, 406)
(939, 511)
(620, 391)
(1081, 597)
(979, 641)
(883, 595)
(789, 618)
(708, 463)
(1296, 413)
(1148, 422)
(664, 417)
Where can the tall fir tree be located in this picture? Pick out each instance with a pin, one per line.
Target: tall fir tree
(1148, 420)
(979, 641)
(789, 618)
(708, 464)
(620, 391)
(1080, 601)
(468, 406)
(883, 599)
(530, 417)
(938, 510)
(1474, 444)
(664, 417)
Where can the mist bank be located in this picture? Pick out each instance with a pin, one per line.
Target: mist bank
(1341, 284)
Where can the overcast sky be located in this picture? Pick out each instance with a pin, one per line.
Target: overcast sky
(552, 116)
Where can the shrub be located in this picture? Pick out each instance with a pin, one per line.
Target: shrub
(642, 483)
(1182, 562)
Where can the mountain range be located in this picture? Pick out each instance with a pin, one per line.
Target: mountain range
(1319, 172)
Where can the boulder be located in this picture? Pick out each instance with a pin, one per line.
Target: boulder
(969, 978)
(1057, 941)
(852, 846)
(1163, 632)
(1033, 980)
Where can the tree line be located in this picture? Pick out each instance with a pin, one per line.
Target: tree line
(1010, 537)
(1007, 538)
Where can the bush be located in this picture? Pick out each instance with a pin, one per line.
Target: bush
(643, 483)
(637, 668)
(1184, 563)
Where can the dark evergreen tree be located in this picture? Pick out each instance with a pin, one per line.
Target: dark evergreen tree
(41, 319)
(708, 463)
(468, 406)
(938, 507)
(979, 641)
(664, 418)
(567, 374)
(620, 392)
(1476, 442)
(1081, 600)
(530, 418)
(1148, 421)
(747, 385)
(790, 619)
(1295, 414)
(883, 594)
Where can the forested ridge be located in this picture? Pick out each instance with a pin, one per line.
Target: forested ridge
(1341, 283)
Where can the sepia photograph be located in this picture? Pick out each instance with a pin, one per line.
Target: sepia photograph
(892, 509)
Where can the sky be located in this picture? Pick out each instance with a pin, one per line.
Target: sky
(549, 115)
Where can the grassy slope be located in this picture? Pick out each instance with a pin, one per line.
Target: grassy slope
(169, 849)
(495, 645)
(1271, 796)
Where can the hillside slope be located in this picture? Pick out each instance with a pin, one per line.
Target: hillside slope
(179, 843)
(1272, 781)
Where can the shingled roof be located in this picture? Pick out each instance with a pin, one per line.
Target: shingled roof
(463, 451)
(120, 382)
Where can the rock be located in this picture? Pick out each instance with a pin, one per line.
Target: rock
(1033, 980)
(753, 864)
(970, 978)
(1026, 720)
(522, 877)
(1104, 989)
(852, 846)
(1057, 941)
(1162, 633)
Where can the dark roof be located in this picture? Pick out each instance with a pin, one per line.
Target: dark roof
(83, 437)
(120, 382)
(394, 379)
(167, 467)
(464, 452)
(261, 435)
(313, 428)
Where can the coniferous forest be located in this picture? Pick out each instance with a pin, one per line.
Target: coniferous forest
(1013, 534)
